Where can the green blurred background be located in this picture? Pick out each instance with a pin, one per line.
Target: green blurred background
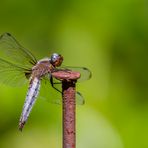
(108, 37)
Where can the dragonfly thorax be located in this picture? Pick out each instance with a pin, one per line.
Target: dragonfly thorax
(44, 60)
(46, 65)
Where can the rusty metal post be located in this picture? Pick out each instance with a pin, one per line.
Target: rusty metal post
(69, 136)
(69, 106)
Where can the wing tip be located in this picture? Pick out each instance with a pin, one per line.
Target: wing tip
(90, 73)
(5, 35)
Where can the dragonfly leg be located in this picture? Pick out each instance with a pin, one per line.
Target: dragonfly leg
(52, 84)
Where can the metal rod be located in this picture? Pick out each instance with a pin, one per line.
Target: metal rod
(69, 136)
(69, 106)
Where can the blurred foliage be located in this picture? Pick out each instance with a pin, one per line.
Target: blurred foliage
(108, 37)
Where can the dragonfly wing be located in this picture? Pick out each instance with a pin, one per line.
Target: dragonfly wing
(12, 74)
(53, 96)
(47, 92)
(85, 72)
(79, 99)
(12, 51)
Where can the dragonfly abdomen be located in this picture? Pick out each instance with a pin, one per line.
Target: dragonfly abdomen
(30, 100)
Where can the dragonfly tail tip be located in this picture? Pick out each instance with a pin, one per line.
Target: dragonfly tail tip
(21, 125)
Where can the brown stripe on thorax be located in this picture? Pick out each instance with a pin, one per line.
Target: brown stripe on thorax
(41, 69)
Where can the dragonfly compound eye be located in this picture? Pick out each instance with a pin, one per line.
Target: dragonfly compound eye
(56, 59)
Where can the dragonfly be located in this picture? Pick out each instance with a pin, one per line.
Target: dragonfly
(18, 66)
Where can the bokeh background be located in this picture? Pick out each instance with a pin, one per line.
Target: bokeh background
(108, 37)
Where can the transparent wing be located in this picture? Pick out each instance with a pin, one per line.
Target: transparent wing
(79, 99)
(48, 93)
(12, 74)
(12, 51)
(85, 72)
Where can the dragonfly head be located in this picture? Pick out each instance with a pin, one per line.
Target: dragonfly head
(56, 59)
